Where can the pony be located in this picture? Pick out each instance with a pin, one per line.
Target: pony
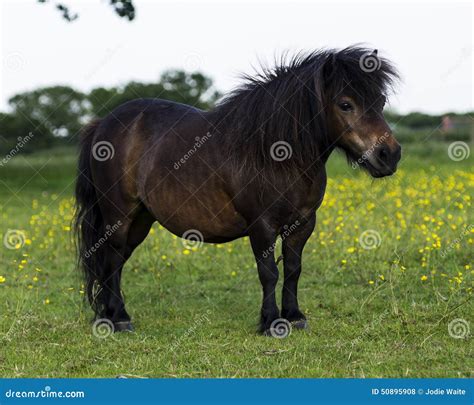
(254, 166)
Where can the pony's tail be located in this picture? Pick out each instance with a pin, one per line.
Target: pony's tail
(88, 218)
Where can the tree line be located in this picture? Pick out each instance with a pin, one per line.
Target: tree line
(56, 114)
(52, 116)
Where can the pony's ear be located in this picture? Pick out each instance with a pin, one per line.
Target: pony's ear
(374, 52)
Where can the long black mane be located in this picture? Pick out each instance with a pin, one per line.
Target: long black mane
(288, 103)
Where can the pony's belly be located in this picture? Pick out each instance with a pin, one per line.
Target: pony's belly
(210, 216)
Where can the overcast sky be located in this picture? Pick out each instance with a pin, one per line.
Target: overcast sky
(431, 43)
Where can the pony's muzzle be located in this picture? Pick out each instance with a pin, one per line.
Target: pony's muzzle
(387, 158)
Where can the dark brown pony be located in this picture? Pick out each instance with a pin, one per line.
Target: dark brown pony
(253, 166)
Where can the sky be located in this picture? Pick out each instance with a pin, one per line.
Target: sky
(431, 43)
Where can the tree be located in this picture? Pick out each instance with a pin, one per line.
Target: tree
(56, 114)
(60, 109)
(188, 88)
(123, 8)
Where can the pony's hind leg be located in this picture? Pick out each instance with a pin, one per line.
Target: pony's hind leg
(118, 248)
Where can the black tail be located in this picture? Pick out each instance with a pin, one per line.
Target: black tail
(88, 220)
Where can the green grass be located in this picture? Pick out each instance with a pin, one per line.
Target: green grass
(372, 313)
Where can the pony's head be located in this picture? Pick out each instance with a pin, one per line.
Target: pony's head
(312, 103)
(355, 84)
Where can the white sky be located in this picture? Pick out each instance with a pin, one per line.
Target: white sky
(431, 43)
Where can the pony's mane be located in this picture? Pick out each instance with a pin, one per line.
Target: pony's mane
(287, 104)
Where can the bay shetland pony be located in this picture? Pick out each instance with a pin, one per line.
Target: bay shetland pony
(252, 166)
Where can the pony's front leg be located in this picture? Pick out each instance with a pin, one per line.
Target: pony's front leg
(292, 250)
(262, 239)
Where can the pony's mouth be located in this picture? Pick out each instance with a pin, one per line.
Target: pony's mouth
(378, 172)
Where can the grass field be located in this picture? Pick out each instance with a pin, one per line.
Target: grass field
(400, 309)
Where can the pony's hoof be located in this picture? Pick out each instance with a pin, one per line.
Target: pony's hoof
(300, 324)
(123, 326)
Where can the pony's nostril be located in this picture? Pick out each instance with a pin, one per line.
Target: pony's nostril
(384, 153)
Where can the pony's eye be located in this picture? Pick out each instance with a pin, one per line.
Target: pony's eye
(346, 107)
